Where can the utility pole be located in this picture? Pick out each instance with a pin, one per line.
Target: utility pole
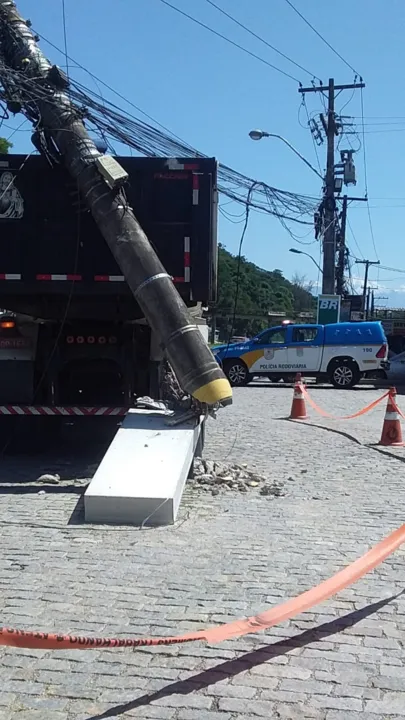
(341, 243)
(26, 74)
(328, 205)
(329, 241)
(373, 298)
(341, 249)
(367, 264)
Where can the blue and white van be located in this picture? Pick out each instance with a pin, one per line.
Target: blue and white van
(340, 353)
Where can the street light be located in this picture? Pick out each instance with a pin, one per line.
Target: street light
(301, 252)
(259, 134)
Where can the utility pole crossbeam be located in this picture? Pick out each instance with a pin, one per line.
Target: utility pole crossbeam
(322, 88)
(328, 205)
(367, 264)
(41, 91)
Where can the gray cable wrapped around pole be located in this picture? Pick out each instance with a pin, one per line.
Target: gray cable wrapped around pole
(189, 355)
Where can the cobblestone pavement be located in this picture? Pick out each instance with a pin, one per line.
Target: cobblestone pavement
(228, 556)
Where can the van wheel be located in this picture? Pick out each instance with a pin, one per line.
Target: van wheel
(344, 374)
(237, 372)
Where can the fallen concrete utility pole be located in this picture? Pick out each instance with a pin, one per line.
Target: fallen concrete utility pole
(40, 91)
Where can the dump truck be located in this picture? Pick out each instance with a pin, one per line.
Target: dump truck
(74, 343)
(93, 306)
(73, 335)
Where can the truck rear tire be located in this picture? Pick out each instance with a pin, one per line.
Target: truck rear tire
(344, 374)
(237, 373)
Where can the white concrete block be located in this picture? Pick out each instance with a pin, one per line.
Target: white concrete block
(143, 473)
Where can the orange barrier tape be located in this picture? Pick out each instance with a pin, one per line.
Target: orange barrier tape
(263, 621)
(396, 408)
(344, 417)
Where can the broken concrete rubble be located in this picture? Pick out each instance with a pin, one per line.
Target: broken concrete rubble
(220, 476)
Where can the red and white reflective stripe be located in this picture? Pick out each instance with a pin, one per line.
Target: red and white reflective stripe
(53, 277)
(187, 259)
(10, 276)
(109, 278)
(187, 264)
(390, 416)
(196, 189)
(61, 411)
(174, 164)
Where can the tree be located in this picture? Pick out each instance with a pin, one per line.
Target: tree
(259, 292)
(302, 291)
(5, 146)
(302, 282)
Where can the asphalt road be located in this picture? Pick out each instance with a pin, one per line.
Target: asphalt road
(230, 555)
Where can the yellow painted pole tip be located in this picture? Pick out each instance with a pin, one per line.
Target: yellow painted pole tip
(216, 391)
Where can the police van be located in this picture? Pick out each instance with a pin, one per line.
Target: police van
(340, 353)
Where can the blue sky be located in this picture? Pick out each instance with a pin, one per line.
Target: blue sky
(212, 94)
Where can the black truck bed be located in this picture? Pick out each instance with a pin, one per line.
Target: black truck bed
(53, 259)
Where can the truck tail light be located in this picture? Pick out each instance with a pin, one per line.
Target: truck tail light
(90, 339)
(7, 325)
(382, 352)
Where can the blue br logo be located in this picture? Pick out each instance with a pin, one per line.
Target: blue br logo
(329, 304)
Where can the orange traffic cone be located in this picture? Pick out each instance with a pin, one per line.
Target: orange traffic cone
(298, 409)
(392, 431)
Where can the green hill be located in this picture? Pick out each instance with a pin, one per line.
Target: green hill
(260, 292)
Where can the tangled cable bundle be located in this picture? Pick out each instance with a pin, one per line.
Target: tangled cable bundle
(106, 118)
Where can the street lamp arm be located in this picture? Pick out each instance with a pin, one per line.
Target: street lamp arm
(301, 252)
(315, 263)
(259, 134)
(283, 139)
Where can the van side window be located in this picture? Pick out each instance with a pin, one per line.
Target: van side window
(271, 337)
(304, 335)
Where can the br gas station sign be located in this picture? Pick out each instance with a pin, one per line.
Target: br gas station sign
(328, 309)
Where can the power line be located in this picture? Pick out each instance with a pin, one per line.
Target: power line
(238, 268)
(105, 118)
(381, 267)
(391, 279)
(376, 132)
(348, 101)
(261, 39)
(354, 238)
(380, 117)
(391, 269)
(365, 175)
(304, 103)
(373, 124)
(228, 40)
(321, 37)
(111, 89)
(377, 207)
(65, 35)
